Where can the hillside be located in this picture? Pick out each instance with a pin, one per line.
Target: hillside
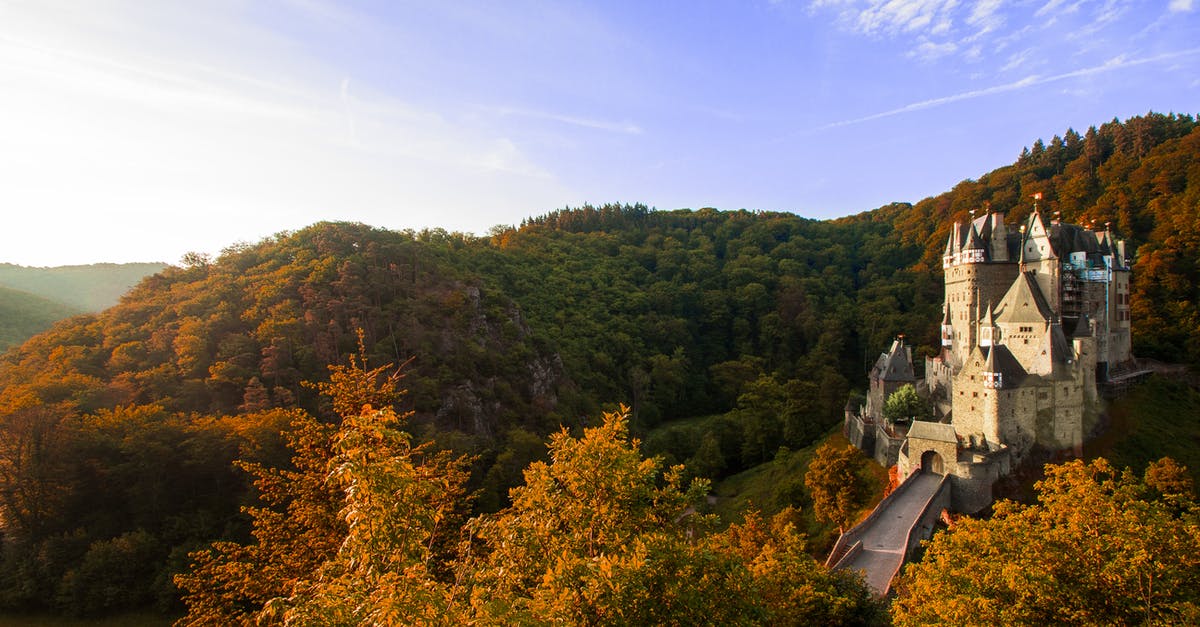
(728, 333)
(22, 315)
(92, 287)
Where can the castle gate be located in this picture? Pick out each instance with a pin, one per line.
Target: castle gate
(931, 462)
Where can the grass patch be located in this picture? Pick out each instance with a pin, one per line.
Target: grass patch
(772, 486)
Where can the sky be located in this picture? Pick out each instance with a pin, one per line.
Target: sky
(144, 129)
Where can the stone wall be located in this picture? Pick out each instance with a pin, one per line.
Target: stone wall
(974, 476)
(886, 448)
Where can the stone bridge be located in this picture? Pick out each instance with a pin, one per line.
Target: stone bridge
(880, 544)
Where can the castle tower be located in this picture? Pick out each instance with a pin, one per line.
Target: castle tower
(993, 382)
(978, 269)
(1038, 256)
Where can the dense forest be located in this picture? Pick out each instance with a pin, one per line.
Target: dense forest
(728, 334)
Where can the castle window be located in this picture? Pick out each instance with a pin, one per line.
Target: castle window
(975, 394)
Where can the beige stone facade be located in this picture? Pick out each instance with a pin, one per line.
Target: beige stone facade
(1033, 316)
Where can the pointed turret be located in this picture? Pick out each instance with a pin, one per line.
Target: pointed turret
(974, 250)
(1037, 245)
(992, 378)
(987, 328)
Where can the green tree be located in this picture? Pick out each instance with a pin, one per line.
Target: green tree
(904, 405)
(1100, 547)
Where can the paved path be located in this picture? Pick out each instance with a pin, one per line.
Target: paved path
(884, 538)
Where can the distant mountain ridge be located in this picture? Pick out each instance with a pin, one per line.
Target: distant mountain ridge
(32, 299)
(93, 287)
(23, 315)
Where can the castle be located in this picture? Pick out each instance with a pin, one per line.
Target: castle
(1033, 318)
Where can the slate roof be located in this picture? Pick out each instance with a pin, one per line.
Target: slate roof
(1061, 352)
(936, 431)
(1024, 302)
(894, 365)
(1001, 360)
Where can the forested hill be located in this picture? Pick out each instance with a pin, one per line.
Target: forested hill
(763, 322)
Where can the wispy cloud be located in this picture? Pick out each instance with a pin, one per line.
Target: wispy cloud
(1057, 7)
(1017, 60)
(625, 127)
(1116, 63)
(985, 16)
(986, 27)
(148, 83)
(1181, 6)
(928, 51)
(896, 16)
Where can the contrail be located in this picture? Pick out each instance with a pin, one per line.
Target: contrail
(1029, 81)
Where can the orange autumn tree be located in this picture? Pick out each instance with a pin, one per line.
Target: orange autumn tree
(597, 535)
(1101, 547)
(600, 535)
(350, 533)
(836, 484)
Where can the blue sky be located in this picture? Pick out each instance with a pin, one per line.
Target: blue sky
(140, 130)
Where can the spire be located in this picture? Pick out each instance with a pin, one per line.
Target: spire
(974, 240)
(992, 378)
(987, 328)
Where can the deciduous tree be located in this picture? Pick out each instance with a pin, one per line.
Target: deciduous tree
(1101, 547)
(836, 484)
